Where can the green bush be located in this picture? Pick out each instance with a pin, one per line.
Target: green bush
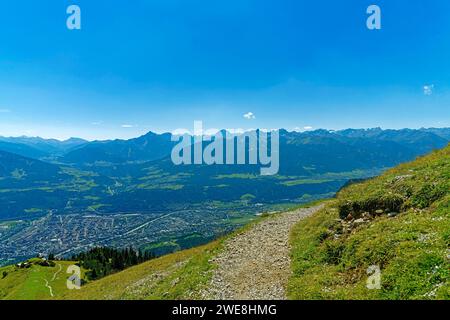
(427, 195)
(333, 251)
(387, 203)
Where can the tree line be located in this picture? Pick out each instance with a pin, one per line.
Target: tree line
(102, 261)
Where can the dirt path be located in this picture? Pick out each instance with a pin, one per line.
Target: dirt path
(56, 273)
(256, 263)
(49, 287)
(47, 283)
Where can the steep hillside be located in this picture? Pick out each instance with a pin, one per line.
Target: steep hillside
(18, 171)
(179, 275)
(30, 188)
(21, 149)
(33, 281)
(398, 222)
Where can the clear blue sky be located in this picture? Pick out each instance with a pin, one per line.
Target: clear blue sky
(161, 64)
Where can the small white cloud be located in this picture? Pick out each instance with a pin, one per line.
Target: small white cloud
(211, 132)
(307, 128)
(128, 126)
(249, 116)
(180, 132)
(5, 111)
(236, 131)
(428, 89)
(97, 123)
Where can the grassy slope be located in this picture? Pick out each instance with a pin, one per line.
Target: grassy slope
(412, 248)
(29, 284)
(174, 276)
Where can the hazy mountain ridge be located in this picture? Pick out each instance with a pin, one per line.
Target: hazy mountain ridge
(148, 147)
(22, 150)
(37, 148)
(156, 146)
(153, 146)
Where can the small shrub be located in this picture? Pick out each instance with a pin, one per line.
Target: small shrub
(345, 208)
(323, 235)
(46, 263)
(427, 195)
(387, 203)
(333, 252)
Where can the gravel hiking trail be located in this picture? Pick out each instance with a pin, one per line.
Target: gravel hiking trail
(255, 264)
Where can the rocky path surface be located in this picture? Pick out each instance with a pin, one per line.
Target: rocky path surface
(256, 264)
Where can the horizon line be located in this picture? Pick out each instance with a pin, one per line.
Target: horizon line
(212, 132)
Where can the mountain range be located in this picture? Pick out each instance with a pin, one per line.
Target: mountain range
(152, 146)
(43, 182)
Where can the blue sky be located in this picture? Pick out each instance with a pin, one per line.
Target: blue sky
(161, 64)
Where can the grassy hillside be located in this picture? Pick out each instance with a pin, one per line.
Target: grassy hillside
(175, 276)
(399, 221)
(34, 283)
